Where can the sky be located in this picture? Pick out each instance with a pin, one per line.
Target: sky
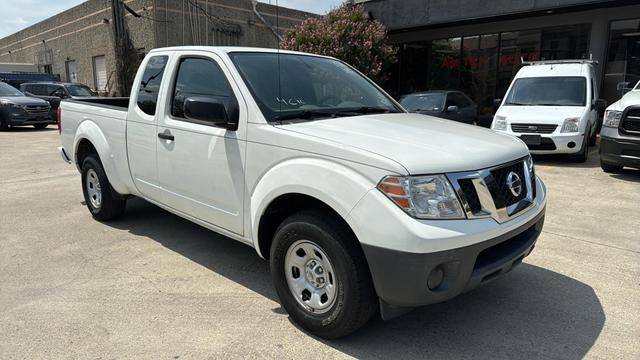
(19, 14)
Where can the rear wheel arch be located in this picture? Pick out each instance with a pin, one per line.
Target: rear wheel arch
(84, 148)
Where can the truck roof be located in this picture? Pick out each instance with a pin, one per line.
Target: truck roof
(230, 49)
(559, 69)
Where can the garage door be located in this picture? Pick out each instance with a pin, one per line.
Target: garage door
(100, 73)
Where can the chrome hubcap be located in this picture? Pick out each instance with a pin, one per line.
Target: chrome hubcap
(93, 189)
(310, 276)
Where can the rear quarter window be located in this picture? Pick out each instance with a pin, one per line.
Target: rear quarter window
(149, 87)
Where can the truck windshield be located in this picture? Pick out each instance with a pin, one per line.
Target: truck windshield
(8, 90)
(308, 87)
(80, 90)
(428, 102)
(548, 91)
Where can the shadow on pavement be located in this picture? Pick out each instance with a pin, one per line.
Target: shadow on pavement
(29, 128)
(565, 160)
(530, 313)
(627, 174)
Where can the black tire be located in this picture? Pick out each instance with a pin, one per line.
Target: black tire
(40, 126)
(3, 124)
(355, 300)
(593, 138)
(583, 154)
(111, 205)
(609, 168)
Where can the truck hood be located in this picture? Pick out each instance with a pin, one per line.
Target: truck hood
(632, 98)
(421, 144)
(540, 114)
(24, 100)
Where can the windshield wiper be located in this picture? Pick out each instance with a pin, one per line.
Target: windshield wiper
(307, 114)
(370, 110)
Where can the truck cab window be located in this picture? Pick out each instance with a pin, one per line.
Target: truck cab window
(203, 78)
(150, 84)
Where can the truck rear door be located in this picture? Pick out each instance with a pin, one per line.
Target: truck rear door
(142, 128)
(201, 166)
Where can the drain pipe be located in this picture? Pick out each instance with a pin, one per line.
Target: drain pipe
(264, 21)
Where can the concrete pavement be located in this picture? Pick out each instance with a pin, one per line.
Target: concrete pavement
(153, 285)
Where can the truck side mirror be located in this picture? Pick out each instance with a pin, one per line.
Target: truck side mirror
(207, 110)
(599, 104)
(452, 108)
(497, 102)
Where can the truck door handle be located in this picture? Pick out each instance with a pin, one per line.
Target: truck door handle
(166, 136)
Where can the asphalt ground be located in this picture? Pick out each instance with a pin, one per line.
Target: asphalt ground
(153, 285)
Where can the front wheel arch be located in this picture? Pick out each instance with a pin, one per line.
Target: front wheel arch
(286, 205)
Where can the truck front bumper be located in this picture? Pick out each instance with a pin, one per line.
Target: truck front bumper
(556, 143)
(433, 261)
(24, 120)
(619, 151)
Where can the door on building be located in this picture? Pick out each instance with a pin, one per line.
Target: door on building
(100, 73)
(622, 68)
(72, 71)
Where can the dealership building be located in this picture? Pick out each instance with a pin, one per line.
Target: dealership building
(477, 46)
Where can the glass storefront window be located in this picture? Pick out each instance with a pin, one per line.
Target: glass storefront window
(413, 68)
(514, 47)
(478, 74)
(622, 69)
(444, 69)
(567, 42)
(483, 65)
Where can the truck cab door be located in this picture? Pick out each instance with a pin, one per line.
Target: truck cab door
(201, 165)
(142, 128)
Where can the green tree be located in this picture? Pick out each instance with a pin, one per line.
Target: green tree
(348, 34)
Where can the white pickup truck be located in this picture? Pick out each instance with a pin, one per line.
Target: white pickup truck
(357, 204)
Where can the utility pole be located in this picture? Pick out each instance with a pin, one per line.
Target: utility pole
(126, 56)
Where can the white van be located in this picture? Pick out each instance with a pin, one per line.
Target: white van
(553, 107)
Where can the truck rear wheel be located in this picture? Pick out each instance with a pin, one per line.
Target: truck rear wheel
(103, 202)
(321, 275)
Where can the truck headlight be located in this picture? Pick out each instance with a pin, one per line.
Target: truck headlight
(570, 125)
(612, 118)
(423, 197)
(499, 123)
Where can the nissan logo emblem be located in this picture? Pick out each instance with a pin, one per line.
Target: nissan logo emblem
(514, 183)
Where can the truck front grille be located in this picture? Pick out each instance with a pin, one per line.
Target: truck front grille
(37, 110)
(501, 192)
(533, 128)
(631, 122)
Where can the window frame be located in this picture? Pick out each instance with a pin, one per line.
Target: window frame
(174, 81)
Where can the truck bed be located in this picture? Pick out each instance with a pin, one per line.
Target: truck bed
(117, 103)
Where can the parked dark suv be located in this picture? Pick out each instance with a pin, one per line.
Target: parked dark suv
(452, 105)
(16, 109)
(53, 92)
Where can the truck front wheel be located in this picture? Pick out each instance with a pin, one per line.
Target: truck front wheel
(321, 275)
(102, 201)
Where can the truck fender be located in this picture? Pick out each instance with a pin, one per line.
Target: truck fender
(336, 185)
(91, 131)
